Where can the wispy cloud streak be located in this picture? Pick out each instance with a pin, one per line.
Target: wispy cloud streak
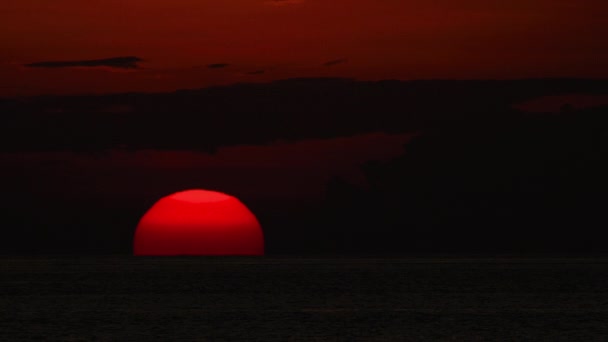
(129, 62)
(335, 62)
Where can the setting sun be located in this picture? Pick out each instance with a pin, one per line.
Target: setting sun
(198, 222)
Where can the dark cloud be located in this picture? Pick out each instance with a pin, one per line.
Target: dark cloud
(218, 65)
(256, 72)
(129, 62)
(335, 62)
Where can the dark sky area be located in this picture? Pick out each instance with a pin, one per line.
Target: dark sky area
(353, 126)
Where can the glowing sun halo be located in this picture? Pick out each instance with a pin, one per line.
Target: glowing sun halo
(198, 222)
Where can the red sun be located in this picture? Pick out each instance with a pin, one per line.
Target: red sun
(198, 222)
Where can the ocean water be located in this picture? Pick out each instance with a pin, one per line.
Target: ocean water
(303, 299)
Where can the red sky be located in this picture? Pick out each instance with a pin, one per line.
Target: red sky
(375, 39)
(280, 171)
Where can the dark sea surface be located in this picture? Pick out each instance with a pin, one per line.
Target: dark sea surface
(127, 298)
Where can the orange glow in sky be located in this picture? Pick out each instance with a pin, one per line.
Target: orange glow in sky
(263, 40)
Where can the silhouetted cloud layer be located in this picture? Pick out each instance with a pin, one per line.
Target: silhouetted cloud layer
(129, 62)
(335, 62)
(218, 65)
